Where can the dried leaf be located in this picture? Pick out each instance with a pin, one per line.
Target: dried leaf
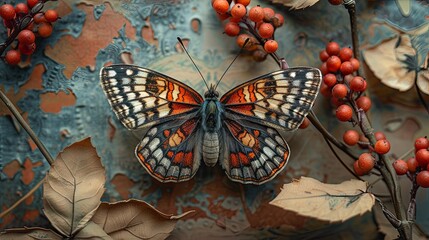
(131, 219)
(393, 62)
(73, 187)
(92, 231)
(423, 76)
(329, 202)
(29, 233)
(296, 4)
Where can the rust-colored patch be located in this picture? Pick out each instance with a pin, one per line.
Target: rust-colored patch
(11, 169)
(6, 220)
(53, 102)
(28, 173)
(29, 200)
(148, 34)
(122, 185)
(31, 143)
(96, 34)
(31, 215)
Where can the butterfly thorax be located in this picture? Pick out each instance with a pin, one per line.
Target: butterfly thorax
(211, 123)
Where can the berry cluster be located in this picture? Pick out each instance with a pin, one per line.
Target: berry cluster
(417, 166)
(256, 24)
(22, 22)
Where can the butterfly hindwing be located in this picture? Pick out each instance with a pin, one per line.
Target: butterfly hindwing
(171, 152)
(279, 99)
(253, 153)
(143, 97)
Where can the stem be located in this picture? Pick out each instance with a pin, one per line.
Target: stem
(27, 128)
(350, 5)
(411, 211)
(7, 211)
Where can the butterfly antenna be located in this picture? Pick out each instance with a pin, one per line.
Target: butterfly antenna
(238, 54)
(184, 48)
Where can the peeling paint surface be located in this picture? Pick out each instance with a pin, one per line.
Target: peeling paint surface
(60, 97)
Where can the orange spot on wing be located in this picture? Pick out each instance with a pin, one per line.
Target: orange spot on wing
(177, 108)
(285, 155)
(188, 159)
(252, 93)
(256, 133)
(178, 157)
(170, 154)
(235, 163)
(243, 109)
(252, 155)
(170, 91)
(167, 133)
(243, 158)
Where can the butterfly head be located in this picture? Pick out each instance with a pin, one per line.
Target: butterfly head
(211, 93)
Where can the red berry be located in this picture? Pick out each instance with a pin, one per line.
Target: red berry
(305, 123)
(21, 8)
(423, 179)
(412, 165)
(244, 2)
(12, 57)
(52, 15)
(266, 30)
(379, 136)
(355, 63)
(324, 68)
(323, 55)
(27, 49)
(358, 84)
(241, 39)
(45, 29)
(221, 6)
(333, 48)
(345, 54)
(366, 162)
(256, 14)
(325, 90)
(8, 23)
(346, 68)
(39, 18)
(335, 2)
(422, 157)
(271, 46)
(232, 29)
(339, 91)
(268, 14)
(344, 113)
(330, 79)
(337, 102)
(351, 137)
(7, 12)
(364, 103)
(421, 143)
(32, 3)
(333, 63)
(400, 166)
(26, 37)
(382, 146)
(278, 20)
(357, 170)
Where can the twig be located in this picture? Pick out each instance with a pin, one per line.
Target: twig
(7, 211)
(350, 5)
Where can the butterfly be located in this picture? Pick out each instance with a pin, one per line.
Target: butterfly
(240, 130)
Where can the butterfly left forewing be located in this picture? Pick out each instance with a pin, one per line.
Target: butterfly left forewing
(279, 99)
(253, 153)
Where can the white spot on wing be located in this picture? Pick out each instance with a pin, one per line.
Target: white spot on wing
(292, 74)
(129, 72)
(111, 73)
(309, 75)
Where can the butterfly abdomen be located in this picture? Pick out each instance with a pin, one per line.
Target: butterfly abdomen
(210, 148)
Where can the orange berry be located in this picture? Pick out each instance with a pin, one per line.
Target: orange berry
(271, 46)
(39, 18)
(45, 29)
(355, 63)
(7, 12)
(323, 55)
(268, 14)
(324, 68)
(244, 2)
(330, 79)
(339, 90)
(27, 49)
(51, 15)
(382, 146)
(346, 54)
(266, 30)
(221, 6)
(232, 29)
(358, 84)
(421, 143)
(21, 8)
(333, 63)
(346, 68)
(305, 123)
(12, 57)
(241, 39)
(423, 179)
(400, 167)
(256, 14)
(344, 113)
(325, 90)
(379, 136)
(366, 162)
(357, 170)
(26, 37)
(422, 157)
(333, 48)
(351, 137)
(278, 20)
(364, 103)
(32, 3)
(412, 165)
(238, 11)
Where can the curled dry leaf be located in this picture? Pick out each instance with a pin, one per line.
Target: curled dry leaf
(73, 188)
(329, 202)
(394, 62)
(296, 4)
(29, 234)
(134, 219)
(423, 77)
(92, 231)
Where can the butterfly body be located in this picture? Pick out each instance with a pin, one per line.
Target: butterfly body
(238, 130)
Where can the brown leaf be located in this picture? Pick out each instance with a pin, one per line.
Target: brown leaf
(329, 202)
(73, 187)
(29, 233)
(92, 231)
(423, 76)
(296, 4)
(131, 219)
(391, 62)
